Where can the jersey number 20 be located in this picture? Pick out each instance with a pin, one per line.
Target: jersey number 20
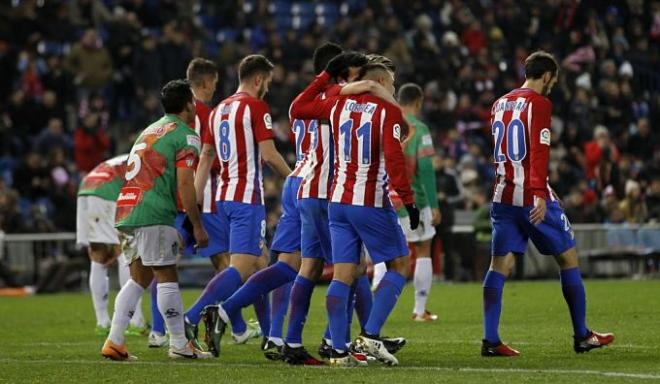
(515, 141)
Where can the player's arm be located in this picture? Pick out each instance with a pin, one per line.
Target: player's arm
(273, 158)
(395, 164)
(305, 106)
(185, 180)
(426, 174)
(206, 158)
(539, 144)
(367, 86)
(263, 133)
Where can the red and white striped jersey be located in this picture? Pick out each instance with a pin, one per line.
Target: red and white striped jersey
(202, 113)
(315, 169)
(236, 126)
(366, 132)
(520, 122)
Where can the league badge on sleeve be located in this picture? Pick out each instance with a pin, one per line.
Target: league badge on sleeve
(268, 121)
(396, 132)
(545, 136)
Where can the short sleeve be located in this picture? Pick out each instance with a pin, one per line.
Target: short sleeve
(188, 150)
(262, 123)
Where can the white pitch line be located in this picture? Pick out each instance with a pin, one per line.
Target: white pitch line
(641, 376)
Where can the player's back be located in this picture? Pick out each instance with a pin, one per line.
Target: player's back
(236, 126)
(520, 123)
(314, 153)
(105, 179)
(358, 123)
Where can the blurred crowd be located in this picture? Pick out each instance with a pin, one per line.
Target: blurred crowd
(81, 77)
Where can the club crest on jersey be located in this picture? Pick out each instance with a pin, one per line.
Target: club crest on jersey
(160, 130)
(193, 141)
(396, 132)
(544, 137)
(268, 121)
(129, 196)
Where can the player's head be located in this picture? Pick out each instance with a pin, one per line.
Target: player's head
(541, 66)
(378, 73)
(323, 54)
(384, 60)
(256, 71)
(202, 75)
(177, 99)
(411, 95)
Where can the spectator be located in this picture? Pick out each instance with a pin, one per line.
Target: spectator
(88, 13)
(146, 66)
(91, 64)
(644, 143)
(633, 205)
(53, 138)
(31, 177)
(599, 154)
(483, 234)
(91, 143)
(653, 200)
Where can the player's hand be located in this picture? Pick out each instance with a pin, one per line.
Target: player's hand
(413, 214)
(201, 236)
(537, 214)
(341, 62)
(436, 217)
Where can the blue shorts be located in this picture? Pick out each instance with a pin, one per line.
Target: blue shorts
(316, 241)
(241, 227)
(512, 230)
(214, 229)
(287, 233)
(377, 228)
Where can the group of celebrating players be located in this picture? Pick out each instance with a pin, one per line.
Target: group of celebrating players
(193, 181)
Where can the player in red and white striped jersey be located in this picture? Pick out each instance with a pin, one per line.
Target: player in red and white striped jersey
(240, 134)
(520, 123)
(368, 155)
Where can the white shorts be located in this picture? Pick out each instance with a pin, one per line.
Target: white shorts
(425, 230)
(95, 221)
(156, 245)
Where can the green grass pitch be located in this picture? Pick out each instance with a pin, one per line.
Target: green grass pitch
(50, 339)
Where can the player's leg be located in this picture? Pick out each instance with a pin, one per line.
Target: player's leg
(137, 326)
(423, 280)
(246, 240)
(99, 255)
(554, 236)
(114, 347)
(157, 336)
(220, 261)
(379, 272)
(363, 297)
(382, 235)
(508, 238)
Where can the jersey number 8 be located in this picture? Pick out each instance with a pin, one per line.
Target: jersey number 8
(225, 144)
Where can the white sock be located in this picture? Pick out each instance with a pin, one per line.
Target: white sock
(124, 274)
(422, 281)
(277, 341)
(171, 307)
(125, 303)
(379, 272)
(98, 285)
(223, 315)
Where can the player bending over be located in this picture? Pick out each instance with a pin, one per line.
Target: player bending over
(95, 229)
(160, 165)
(524, 206)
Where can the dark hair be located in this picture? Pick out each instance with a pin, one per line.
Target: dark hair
(198, 68)
(539, 63)
(252, 65)
(409, 93)
(370, 68)
(380, 59)
(175, 95)
(323, 54)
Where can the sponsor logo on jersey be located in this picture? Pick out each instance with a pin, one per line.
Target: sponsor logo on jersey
(427, 140)
(268, 121)
(396, 132)
(129, 196)
(194, 141)
(544, 137)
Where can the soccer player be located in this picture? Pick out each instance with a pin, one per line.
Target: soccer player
(419, 153)
(240, 133)
(95, 229)
(524, 206)
(366, 132)
(160, 165)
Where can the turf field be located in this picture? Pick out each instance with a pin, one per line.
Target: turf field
(50, 339)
